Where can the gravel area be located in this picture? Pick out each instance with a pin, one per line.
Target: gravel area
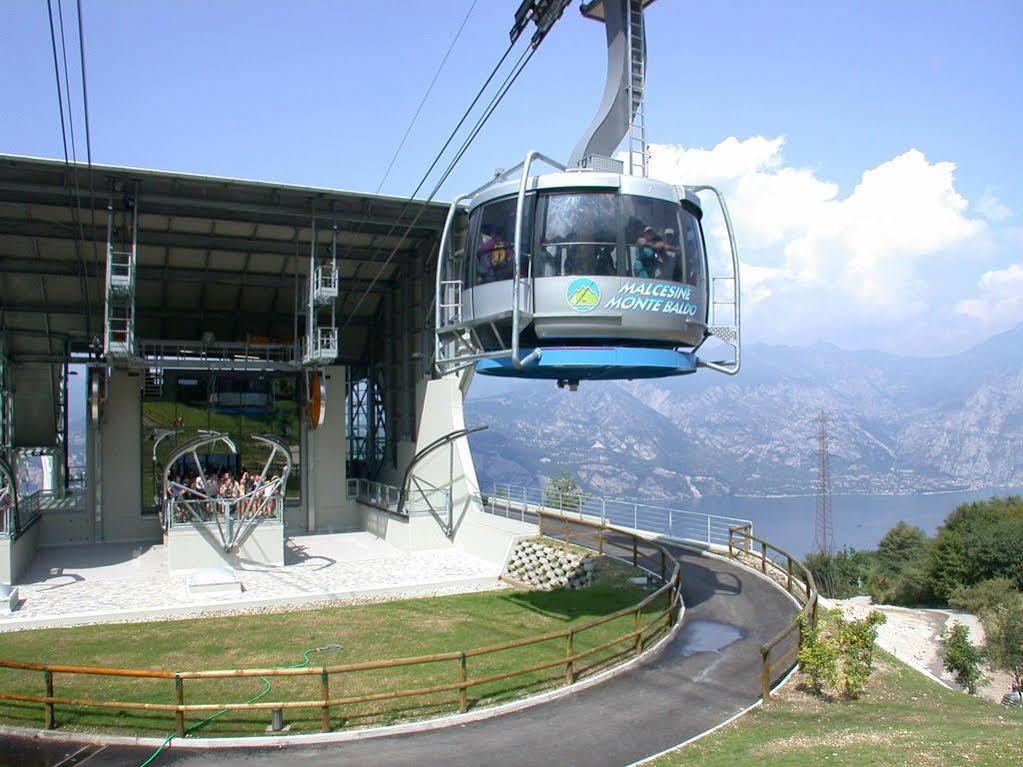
(912, 635)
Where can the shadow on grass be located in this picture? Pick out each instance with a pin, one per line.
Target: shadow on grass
(567, 606)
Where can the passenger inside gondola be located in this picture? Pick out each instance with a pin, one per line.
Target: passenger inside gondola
(495, 254)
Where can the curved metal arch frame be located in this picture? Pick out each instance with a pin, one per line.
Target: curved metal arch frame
(730, 334)
(458, 362)
(409, 478)
(232, 537)
(9, 498)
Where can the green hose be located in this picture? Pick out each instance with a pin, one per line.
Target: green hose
(266, 690)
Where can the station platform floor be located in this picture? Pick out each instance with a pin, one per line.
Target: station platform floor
(121, 582)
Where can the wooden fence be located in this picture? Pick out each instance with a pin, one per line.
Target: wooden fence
(798, 581)
(642, 552)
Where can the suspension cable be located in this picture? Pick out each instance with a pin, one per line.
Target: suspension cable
(426, 95)
(88, 147)
(495, 101)
(70, 163)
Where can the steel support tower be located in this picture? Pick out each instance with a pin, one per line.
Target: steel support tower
(823, 530)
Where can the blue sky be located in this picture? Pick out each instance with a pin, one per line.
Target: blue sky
(321, 92)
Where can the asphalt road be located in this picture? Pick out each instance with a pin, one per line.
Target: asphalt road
(709, 672)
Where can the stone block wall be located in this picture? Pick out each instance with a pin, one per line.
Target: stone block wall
(544, 565)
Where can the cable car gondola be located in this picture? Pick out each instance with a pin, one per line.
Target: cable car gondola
(586, 272)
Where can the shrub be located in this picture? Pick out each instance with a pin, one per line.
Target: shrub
(984, 598)
(818, 658)
(838, 654)
(856, 645)
(961, 657)
(1004, 647)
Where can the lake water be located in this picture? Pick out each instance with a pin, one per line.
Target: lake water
(859, 521)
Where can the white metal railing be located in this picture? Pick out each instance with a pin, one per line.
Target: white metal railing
(421, 501)
(168, 354)
(516, 500)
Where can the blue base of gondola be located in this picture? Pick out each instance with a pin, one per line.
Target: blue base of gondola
(589, 363)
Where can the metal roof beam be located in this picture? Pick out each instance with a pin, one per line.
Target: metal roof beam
(170, 312)
(57, 231)
(200, 207)
(55, 268)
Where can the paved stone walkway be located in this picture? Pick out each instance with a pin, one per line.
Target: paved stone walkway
(76, 597)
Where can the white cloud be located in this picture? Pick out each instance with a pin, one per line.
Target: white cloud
(1000, 304)
(991, 208)
(819, 265)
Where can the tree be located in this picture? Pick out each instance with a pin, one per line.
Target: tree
(985, 598)
(961, 657)
(562, 491)
(899, 546)
(977, 542)
(1004, 647)
(839, 574)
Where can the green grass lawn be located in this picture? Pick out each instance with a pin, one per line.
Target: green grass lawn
(903, 718)
(372, 632)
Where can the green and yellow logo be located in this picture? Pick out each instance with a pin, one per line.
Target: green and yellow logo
(583, 295)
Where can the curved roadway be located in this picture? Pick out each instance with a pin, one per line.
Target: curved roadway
(709, 672)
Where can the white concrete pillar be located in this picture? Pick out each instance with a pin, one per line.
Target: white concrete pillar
(325, 463)
(120, 475)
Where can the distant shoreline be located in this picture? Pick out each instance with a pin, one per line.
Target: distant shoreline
(781, 496)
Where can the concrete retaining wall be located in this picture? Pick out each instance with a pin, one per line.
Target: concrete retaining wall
(17, 554)
(546, 566)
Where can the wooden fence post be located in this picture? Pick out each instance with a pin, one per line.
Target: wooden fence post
(539, 521)
(788, 585)
(325, 690)
(179, 699)
(765, 674)
(635, 553)
(569, 652)
(600, 541)
(50, 723)
(664, 568)
(463, 691)
(763, 558)
(639, 636)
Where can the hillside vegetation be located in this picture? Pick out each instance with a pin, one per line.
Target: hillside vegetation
(902, 719)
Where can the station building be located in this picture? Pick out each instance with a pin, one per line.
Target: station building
(223, 326)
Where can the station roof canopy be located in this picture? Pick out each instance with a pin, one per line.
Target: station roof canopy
(215, 255)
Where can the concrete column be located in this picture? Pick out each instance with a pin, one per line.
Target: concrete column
(120, 474)
(325, 463)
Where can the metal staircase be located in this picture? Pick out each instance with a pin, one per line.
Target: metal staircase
(122, 259)
(636, 34)
(152, 388)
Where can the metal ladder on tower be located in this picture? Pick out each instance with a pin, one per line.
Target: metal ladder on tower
(122, 258)
(321, 340)
(637, 79)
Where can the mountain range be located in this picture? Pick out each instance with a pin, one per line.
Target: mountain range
(895, 423)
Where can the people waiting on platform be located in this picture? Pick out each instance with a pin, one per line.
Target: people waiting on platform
(210, 495)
